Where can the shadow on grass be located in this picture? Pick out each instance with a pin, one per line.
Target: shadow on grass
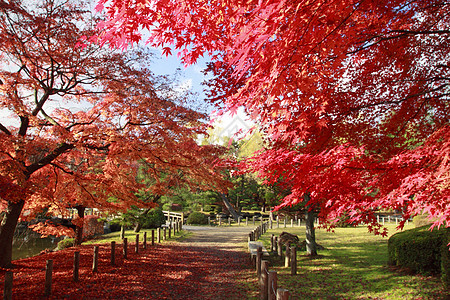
(353, 266)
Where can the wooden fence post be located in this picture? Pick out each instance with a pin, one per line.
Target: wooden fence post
(278, 222)
(272, 285)
(7, 291)
(164, 233)
(136, 246)
(254, 220)
(292, 222)
(145, 240)
(280, 248)
(282, 294)
(95, 260)
(272, 238)
(287, 257)
(294, 261)
(113, 253)
(153, 237)
(263, 281)
(170, 230)
(182, 221)
(125, 246)
(158, 235)
(284, 222)
(258, 261)
(76, 266)
(48, 277)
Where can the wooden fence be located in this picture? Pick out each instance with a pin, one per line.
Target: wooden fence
(268, 280)
(285, 222)
(161, 234)
(173, 216)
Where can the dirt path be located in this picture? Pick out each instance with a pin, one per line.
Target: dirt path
(223, 238)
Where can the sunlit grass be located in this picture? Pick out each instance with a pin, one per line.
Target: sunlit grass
(353, 266)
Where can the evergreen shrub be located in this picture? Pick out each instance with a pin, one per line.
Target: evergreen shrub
(197, 218)
(445, 260)
(153, 219)
(420, 250)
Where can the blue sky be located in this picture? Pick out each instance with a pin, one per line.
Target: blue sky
(192, 76)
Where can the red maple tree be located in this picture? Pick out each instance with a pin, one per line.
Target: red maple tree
(80, 119)
(353, 95)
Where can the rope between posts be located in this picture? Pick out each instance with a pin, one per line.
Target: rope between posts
(273, 289)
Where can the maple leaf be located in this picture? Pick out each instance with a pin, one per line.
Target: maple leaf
(167, 51)
(60, 159)
(371, 76)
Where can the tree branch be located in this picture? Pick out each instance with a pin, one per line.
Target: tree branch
(4, 129)
(48, 158)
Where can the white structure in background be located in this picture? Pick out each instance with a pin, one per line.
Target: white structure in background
(229, 126)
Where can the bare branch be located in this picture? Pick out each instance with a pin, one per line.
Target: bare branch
(4, 129)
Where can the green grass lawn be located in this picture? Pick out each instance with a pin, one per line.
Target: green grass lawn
(353, 266)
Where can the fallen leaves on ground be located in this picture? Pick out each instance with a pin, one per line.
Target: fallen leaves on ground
(164, 271)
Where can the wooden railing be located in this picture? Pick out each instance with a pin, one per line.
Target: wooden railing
(171, 216)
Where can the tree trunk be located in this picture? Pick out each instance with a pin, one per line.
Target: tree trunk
(122, 232)
(79, 230)
(7, 228)
(230, 207)
(311, 246)
(138, 225)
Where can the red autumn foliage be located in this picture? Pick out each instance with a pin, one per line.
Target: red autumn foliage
(92, 226)
(80, 121)
(169, 271)
(353, 96)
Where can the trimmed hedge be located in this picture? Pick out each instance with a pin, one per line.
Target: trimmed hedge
(445, 260)
(197, 218)
(421, 251)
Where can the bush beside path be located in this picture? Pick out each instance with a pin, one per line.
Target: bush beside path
(211, 263)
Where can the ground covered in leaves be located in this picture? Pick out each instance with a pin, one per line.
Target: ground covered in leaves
(172, 270)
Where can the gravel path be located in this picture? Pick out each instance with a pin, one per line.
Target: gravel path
(222, 238)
